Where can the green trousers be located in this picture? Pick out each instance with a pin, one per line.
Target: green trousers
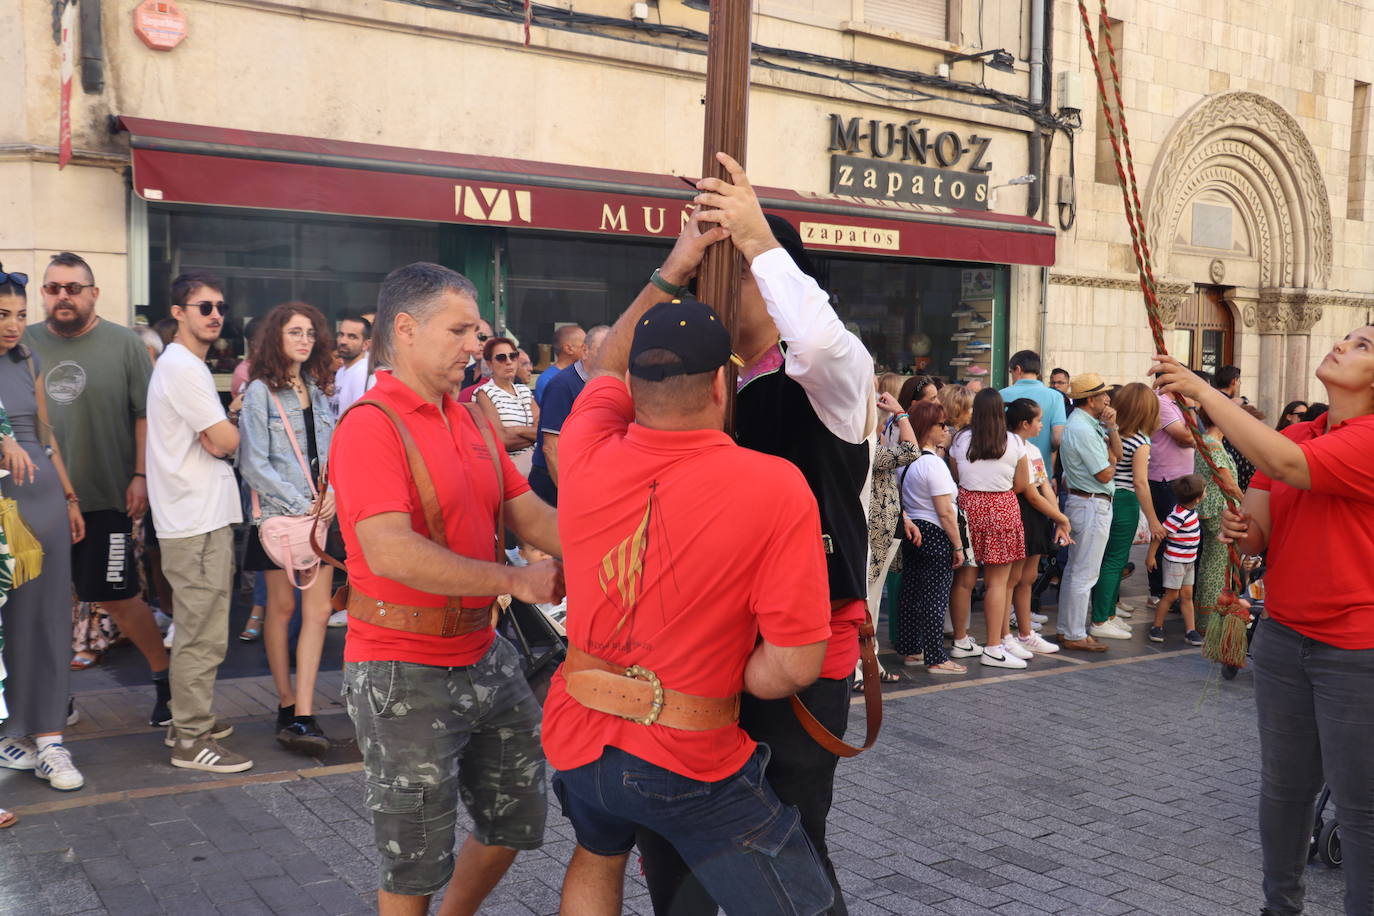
(1125, 520)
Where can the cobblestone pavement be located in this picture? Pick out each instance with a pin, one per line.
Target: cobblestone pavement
(1121, 787)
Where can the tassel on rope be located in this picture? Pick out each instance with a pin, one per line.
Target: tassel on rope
(24, 546)
(1228, 641)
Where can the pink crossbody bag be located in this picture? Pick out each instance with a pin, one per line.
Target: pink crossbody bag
(286, 538)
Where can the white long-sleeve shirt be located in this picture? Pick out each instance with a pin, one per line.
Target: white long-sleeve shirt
(821, 354)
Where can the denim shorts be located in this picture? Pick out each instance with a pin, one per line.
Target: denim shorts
(745, 846)
(430, 736)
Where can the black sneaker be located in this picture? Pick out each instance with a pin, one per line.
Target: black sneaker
(1193, 638)
(304, 737)
(161, 716)
(1156, 634)
(285, 716)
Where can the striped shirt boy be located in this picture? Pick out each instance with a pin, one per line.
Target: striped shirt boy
(1182, 535)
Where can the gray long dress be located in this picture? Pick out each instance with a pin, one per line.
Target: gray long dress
(38, 615)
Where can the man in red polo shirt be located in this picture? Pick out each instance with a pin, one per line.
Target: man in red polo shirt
(1311, 507)
(696, 566)
(439, 700)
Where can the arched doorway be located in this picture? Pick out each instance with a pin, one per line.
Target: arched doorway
(1205, 332)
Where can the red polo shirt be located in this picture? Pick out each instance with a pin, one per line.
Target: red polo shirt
(367, 466)
(731, 550)
(1321, 540)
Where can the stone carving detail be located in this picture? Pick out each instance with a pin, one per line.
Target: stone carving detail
(1248, 147)
(1217, 270)
(1094, 281)
(1293, 311)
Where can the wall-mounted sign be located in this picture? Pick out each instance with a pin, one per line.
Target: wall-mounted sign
(909, 163)
(908, 184)
(160, 24)
(840, 236)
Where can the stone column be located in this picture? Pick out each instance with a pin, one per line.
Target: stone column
(1301, 315)
(1267, 315)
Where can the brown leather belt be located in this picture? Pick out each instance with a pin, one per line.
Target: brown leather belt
(449, 620)
(1086, 495)
(635, 693)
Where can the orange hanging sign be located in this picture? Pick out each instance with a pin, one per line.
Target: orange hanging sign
(160, 24)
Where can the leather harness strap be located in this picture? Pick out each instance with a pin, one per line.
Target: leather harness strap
(450, 619)
(873, 702)
(635, 693)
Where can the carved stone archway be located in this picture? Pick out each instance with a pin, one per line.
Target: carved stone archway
(1249, 149)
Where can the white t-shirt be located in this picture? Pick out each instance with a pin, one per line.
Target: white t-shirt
(349, 384)
(190, 491)
(924, 479)
(988, 475)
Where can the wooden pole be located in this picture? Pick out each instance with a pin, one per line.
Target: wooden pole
(727, 131)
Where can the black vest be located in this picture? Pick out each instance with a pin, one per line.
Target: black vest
(774, 415)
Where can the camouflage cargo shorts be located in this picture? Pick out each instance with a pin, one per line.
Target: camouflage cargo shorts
(430, 736)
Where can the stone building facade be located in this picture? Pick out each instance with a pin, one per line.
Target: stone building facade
(303, 147)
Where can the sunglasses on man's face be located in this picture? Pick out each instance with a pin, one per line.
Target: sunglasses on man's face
(71, 289)
(207, 307)
(503, 357)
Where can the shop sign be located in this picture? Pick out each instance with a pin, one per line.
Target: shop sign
(908, 163)
(160, 24)
(64, 119)
(835, 235)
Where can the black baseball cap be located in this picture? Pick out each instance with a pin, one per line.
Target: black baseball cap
(687, 328)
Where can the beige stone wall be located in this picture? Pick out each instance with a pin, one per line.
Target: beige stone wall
(1305, 57)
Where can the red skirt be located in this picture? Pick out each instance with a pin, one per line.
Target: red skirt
(994, 525)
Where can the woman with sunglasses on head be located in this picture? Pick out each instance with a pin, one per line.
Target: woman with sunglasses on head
(1309, 509)
(508, 403)
(285, 428)
(38, 612)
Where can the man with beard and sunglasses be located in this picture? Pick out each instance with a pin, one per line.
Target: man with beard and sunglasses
(195, 503)
(95, 377)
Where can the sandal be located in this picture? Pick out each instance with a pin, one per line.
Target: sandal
(7, 819)
(252, 632)
(81, 662)
(947, 667)
(889, 677)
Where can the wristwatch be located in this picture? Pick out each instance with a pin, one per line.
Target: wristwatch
(672, 289)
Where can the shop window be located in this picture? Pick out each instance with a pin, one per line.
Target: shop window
(921, 317)
(336, 265)
(928, 18)
(1105, 163)
(1361, 162)
(552, 280)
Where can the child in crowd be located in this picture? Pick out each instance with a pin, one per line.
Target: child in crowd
(1039, 512)
(1182, 538)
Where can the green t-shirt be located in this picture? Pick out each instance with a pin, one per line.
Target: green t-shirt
(96, 386)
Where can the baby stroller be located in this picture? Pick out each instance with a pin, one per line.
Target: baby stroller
(1254, 590)
(536, 631)
(1326, 835)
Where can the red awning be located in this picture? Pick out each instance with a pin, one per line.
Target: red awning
(191, 164)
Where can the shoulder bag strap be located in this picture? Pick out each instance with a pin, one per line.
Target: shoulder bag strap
(873, 702)
(295, 446)
(484, 427)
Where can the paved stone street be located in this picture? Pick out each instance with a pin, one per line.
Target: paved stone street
(1125, 786)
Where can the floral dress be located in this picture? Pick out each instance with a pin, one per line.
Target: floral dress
(1211, 562)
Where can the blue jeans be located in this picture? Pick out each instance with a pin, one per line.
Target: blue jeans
(745, 846)
(1316, 722)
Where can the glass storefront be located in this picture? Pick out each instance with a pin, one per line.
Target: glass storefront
(938, 318)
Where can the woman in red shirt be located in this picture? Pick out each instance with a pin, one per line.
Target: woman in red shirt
(1310, 506)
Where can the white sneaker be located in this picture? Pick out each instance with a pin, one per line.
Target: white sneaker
(1037, 644)
(1124, 610)
(1037, 626)
(994, 657)
(55, 765)
(1109, 630)
(965, 648)
(18, 753)
(1040, 618)
(1012, 646)
(338, 619)
(170, 636)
